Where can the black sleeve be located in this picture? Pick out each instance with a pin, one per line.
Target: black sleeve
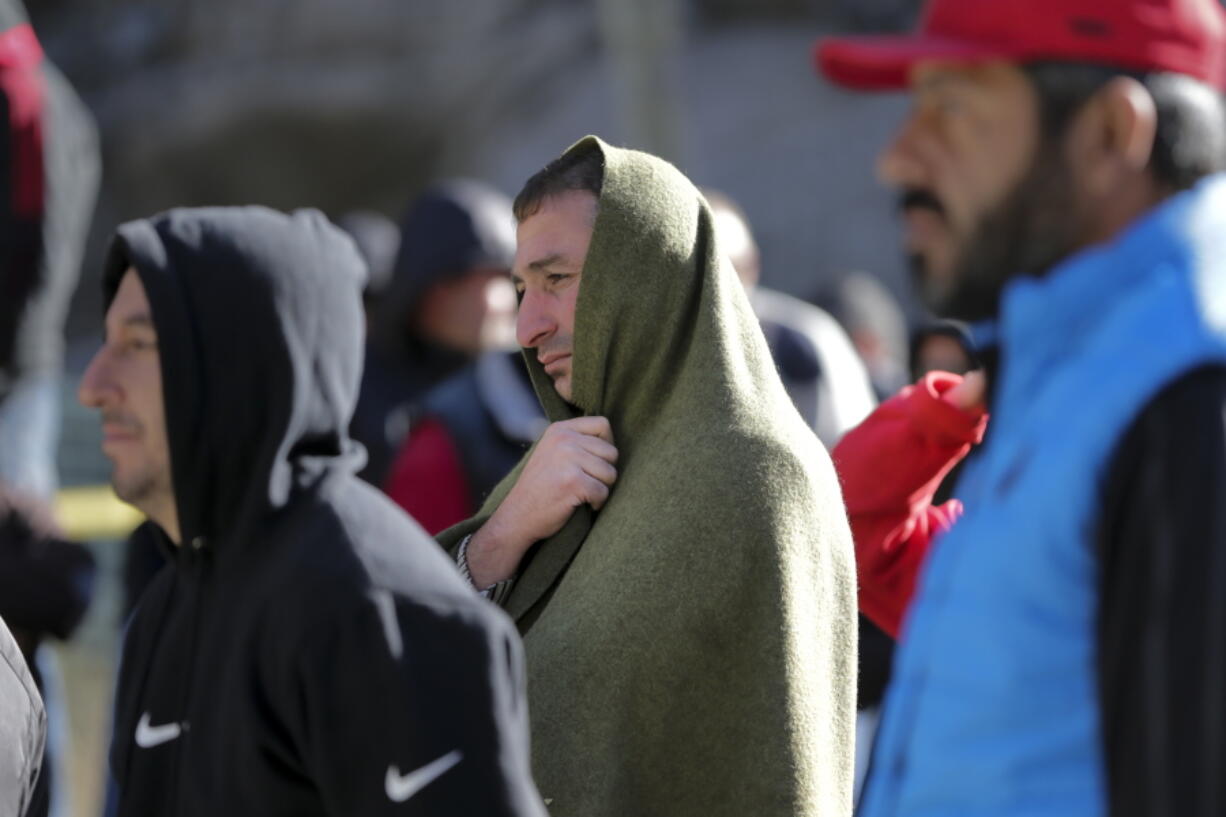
(46, 583)
(414, 710)
(1162, 614)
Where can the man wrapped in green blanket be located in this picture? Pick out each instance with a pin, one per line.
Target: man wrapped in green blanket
(674, 548)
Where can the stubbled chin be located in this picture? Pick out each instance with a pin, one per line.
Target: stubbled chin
(931, 274)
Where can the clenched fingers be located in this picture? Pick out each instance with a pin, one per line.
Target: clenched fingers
(591, 426)
(597, 447)
(595, 492)
(598, 468)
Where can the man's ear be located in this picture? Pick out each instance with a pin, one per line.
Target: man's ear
(1113, 138)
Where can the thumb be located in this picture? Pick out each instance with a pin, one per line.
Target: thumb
(971, 394)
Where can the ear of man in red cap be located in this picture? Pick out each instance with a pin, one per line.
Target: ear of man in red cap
(1060, 184)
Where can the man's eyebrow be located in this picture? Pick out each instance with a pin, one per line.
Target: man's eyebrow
(546, 262)
(935, 81)
(140, 320)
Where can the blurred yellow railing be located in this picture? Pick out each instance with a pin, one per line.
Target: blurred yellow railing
(93, 512)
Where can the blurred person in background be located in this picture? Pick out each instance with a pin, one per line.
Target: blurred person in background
(468, 431)
(937, 346)
(819, 368)
(377, 238)
(673, 547)
(307, 650)
(1060, 177)
(897, 470)
(828, 383)
(448, 300)
(466, 434)
(942, 346)
(48, 185)
(875, 322)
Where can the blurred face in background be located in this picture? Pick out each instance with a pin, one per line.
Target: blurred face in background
(124, 382)
(940, 353)
(551, 246)
(737, 243)
(470, 312)
(983, 197)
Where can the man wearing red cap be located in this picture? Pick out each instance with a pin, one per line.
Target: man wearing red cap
(1064, 651)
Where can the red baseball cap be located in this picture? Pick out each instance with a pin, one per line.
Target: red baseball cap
(1180, 36)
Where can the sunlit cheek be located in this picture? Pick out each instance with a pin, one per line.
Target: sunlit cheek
(567, 318)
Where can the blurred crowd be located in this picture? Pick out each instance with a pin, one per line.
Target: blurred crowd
(547, 504)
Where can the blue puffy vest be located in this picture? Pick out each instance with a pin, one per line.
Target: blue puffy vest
(993, 707)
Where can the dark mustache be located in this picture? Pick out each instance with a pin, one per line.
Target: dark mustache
(917, 198)
(125, 421)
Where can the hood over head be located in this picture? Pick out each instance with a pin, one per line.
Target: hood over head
(662, 325)
(449, 229)
(259, 323)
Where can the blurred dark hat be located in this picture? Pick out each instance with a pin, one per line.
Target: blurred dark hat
(451, 228)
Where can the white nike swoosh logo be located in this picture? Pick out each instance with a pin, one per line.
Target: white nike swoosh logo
(402, 787)
(148, 736)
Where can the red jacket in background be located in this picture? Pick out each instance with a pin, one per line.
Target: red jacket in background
(427, 478)
(890, 466)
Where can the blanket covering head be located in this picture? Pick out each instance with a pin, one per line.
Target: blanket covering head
(691, 648)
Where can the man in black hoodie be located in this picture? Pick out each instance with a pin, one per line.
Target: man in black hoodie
(307, 650)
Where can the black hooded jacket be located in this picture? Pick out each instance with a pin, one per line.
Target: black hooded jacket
(307, 650)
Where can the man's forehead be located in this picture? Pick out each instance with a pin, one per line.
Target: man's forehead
(929, 76)
(130, 306)
(569, 210)
(556, 234)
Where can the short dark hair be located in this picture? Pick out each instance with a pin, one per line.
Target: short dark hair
(579, 169)
(1191, 139)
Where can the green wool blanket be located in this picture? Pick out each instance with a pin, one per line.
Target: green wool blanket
(691, 648)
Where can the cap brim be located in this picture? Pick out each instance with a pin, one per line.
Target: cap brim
(884, 63)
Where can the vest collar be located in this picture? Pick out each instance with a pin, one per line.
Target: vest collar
(1042, 319)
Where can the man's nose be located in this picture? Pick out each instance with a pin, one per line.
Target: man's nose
(899, 164)
(533, 325)
(96, 386)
